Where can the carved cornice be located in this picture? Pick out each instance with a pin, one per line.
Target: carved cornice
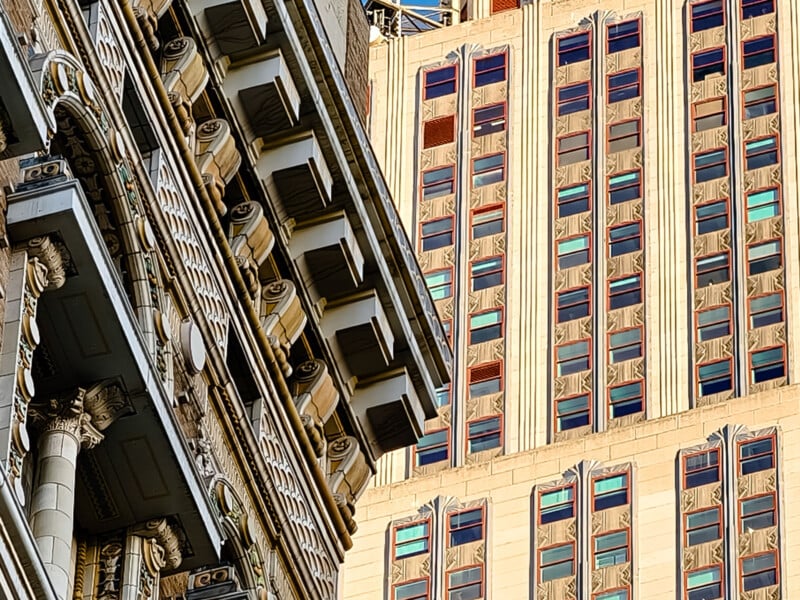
(163, 544)
(53, 256)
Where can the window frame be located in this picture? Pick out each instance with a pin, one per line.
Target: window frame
(610, 245)
(501, 270)
(611, 348)
(451, 180)
(540, 566)
(778, 200)
(487, 209)
(697, 274)
(721, 569)
(605, 476)
(611, 89)
(589, 411)
(774, 49)
(699, 382)
(610, 404)
(501, 169)
(744, 442)
(685, 474)
(698, 328)
(611, 139)
(747, 156)
(450, 529)
(477, 124)
(637, 34)
(560, 153)
(587, 197)
(560, 57)
(750, 312)
(740, 516)
(610, 295)
(415, 451)
(588, 251)
(764, 259)
(499, 433)
(423, 237)
(396, 528)
(723, 112)
(588, 355)
(587, 302)
(501, 324)
(783, 362)
(776, 567)
(426, 85)
(449, 572)
(561, 103)
(721, 11)
(427, 581)
(688, 530)
(593, 547)
(498, 364)
(476, 74)
(600, 595)
(610, 191)
(448, 389)
(725, 161)
(724, 62)
(572, 503)
(697, 220)
(451, 283)
(756, 3)
(746, 104)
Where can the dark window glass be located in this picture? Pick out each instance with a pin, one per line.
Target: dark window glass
(709, 63)
(625, 345)
(466, 527)
(440, 82)
(610, 491)
(623, 86)
(759, 51)
(483, 435)
(624, 187)
(573, 304)
(758, 513)
(701, 469)
(760, 101)
(625, 238)
(490, 69)
(611, 549)
(437, 234)
(488, 222)
(623, 36)
(488, 169)
(415, 590)
(489, 119)
(756, 455)
(485, 326)
(707, 15)
(756, 8)
(767, 364)
(710, 165)
(761, 153)
(764, 257)
(759, 571)
(626, 399)
(704, 584)
(572, 412)
(572, 49)
(714, 378)
(487, 273)
(713, 323)
(625, 291)
(573, 200)
(557, 562)
(572, 358)
(557, 505)
(573, 252)
(711, 217)
(465, 584)
(573, 98)
(438, 182)
(432, 447)
(703, 526)
(712, 269)
(766, 310)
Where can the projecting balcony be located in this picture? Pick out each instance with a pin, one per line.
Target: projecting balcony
(328, 257)
(142, 470)
(263, 96)
(235, 25)
(297, 178)
(20, 97)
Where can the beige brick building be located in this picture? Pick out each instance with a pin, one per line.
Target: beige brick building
(603, 195)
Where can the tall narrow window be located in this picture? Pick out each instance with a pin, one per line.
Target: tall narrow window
(438, 131)
(464, 584)
(486, 326)
(624, 345)
(760, 101)
(490, 69)
(709, 63)
(487, 273)
(610, 491)
(756, 8)
(761, 153)
(626, 399)
(557, 505)
(432, 447)
(486, 378)
(712, 269)
(757, 512)
(465, 527)
(489, 119)
(709, 114)
(625, 291)
(759, 571)
(440, 283)
(763, 204)
(703, 526)
(759, 51)
(624, 36)
(412, 590)
(701, 468)
(764, 257)
(484, 434)
(756, 455)
(573, 148)
(488, 221)
(624, 136)
(766, 310)
(714, 323)
(488, 169)
(712, 216)
(557, 562)
(714, 377)
(707, 15)
(437, 234)
(624, 85)
(611, 549)
(573, 252)
(704, 584)
(625, 238)
(767, 364)
(410, 540)
(572, 358)
(438, 182)
(573, 304)
(573, 200)
(710, 165)
(440, 82)
(573, 98)
(624, 186)
(572, 412)
(574, 48)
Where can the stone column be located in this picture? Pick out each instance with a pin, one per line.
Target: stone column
(65, 428)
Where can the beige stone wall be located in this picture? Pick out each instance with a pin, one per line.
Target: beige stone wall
(508, 483)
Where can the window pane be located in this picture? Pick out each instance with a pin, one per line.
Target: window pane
(411, 591)
(763, 204)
